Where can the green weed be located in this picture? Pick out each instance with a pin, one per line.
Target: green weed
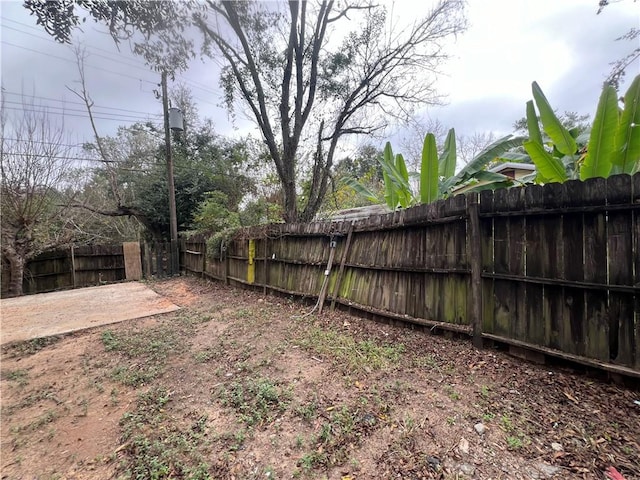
(45, 393)
(506, 423)
(156, 447)
(453, 395)
(484, 392)
(21, 377)
(149, 350)
(257, 401)
(31, 347)
(353, 354)
(308, 411)
(204, 356)
(345, 427)
(488, 416)
(514, 443)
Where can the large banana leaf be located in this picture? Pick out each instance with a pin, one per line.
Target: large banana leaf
(626, 158)
(549, 167)
(447, 161)
(361, 190)
(532, 123)
(515, 157)
(597, 162)
(396, 183)
(559, 135)
(390, 192)
(405, 195)
(471, 170)
(429, 170)
(487, 176)
(492, 186)
(491, 152)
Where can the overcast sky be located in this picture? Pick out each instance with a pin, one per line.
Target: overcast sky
(562, 44)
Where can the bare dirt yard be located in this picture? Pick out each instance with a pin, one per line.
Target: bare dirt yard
(236, 385)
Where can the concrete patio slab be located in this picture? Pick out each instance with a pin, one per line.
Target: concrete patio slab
(46, 314)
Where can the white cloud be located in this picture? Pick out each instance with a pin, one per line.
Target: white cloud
(562, 44)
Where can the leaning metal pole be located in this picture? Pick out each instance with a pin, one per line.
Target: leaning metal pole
(173, 220)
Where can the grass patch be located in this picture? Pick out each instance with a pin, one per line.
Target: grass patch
(257, 401)
(156, 447)
(352, 354)
(20, 376)
(148, 350)
(342, 431)
(31, 347)
(45, 393)
(514, 443)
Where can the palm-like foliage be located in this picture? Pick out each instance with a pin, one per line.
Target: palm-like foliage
(437, 177)
(612, 147)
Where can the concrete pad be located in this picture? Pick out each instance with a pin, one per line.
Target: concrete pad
(46, 314)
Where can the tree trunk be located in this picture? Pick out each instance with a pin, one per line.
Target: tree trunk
(16, 274)
(288, 180)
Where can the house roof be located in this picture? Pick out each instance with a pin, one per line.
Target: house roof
(357, 213)
(515, 165)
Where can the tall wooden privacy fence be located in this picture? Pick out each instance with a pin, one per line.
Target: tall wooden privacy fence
(78, 266)
(554, 269)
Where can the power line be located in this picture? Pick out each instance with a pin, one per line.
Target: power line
(64, 109)
(62, 157)
(74, 62)
(63, 114)
(26, 140)
(84, 45)
(133, 63)
(73, 102)
(114, 58)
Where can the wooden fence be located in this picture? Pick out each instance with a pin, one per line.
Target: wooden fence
(553, 269)
(76, 267)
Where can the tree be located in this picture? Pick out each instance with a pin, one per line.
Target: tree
(155, 21)
(619, 67)
(307, 90)
(134, 169)
(36, 165)
(363, 165)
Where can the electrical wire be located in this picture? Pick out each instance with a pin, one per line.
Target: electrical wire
(64, 114)
(74, 62)
(132, 62)
(70, 102)
(47, 108)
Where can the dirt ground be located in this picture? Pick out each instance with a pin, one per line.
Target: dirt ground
(236, 385)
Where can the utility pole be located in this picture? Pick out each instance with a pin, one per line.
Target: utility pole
(173, 219)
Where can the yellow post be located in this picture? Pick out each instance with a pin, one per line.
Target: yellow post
(251, 267)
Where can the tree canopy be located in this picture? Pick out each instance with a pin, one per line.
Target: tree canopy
(308, 84)
(308, 73)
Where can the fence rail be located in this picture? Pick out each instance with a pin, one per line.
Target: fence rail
(553, 268)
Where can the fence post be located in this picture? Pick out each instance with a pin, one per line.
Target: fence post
(204, 258)
(475, 256)
(251, 262)
(266, 265)
(73, 267)
(345, 252)
(226, 264)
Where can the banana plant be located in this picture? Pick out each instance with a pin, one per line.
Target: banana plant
(437, 177)
(612, 146)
